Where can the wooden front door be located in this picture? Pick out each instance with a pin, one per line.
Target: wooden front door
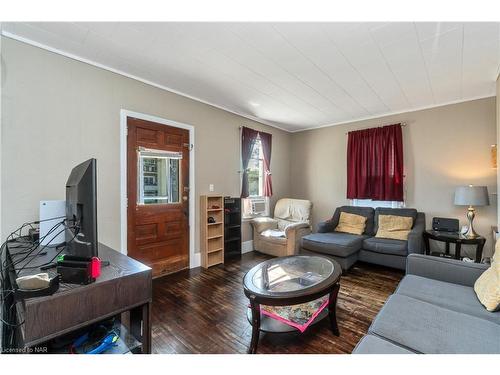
(158, 195)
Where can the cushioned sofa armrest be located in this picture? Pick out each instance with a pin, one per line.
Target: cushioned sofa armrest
(415, 238)
(295, 226)
(325, 226)
(442, 269)
(260, 224)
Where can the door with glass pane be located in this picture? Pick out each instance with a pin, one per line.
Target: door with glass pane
(158, 195)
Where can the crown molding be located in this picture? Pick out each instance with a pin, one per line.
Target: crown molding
(386, 114)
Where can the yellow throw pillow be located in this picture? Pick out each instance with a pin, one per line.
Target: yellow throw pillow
(394, 227)
(487, 286)
(351, 223)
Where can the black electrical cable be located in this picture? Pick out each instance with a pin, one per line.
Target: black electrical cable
(6, 316)
(31, 223)
(41, 248)
(10, 237)
(10, 324)
(16, 235)
(45, 246)
(4, 297)
(50, 261)
(57, 254)
(35, 245)
(32, 255)
(21, 253)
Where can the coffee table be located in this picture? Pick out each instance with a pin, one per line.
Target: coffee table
(288, 281)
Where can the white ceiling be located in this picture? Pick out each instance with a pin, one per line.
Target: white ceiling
(292, 75)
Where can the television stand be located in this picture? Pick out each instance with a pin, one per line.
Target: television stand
(123, 290)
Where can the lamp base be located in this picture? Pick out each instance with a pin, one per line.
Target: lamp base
(471, 233)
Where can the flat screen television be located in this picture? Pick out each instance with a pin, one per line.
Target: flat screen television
(81, 210)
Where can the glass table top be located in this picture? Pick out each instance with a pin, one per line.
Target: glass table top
(291, 273)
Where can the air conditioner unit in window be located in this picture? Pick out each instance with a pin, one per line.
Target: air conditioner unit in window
(258, 206)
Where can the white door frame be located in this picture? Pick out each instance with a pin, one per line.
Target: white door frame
(194, 259)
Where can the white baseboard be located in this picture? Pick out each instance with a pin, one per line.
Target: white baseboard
(195, 260)
(246, 246)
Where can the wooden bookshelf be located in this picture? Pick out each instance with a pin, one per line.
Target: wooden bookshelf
(212, 234)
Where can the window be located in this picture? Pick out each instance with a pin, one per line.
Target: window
(159, 176)
(375, 164)
(375, 204)
(256, 204)
(256, 171)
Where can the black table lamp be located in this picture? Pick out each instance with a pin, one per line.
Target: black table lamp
(471, 196)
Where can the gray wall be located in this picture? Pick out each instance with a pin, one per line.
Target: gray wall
(57, 112)
(498, 141)
(1, 119)
(443, 147)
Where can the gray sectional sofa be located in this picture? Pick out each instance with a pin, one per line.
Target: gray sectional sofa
(434, 310)
(346, 248)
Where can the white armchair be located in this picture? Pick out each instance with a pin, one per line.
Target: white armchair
(280, 236)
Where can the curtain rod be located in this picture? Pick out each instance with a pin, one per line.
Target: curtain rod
(258, 131)
(403, 124)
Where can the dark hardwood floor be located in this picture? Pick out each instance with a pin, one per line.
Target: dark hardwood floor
(204, 311)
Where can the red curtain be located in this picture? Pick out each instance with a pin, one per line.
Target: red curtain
(375, 164)
(248, 138)
(266, 141)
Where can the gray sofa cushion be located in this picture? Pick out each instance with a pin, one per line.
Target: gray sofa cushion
(451, 296)
(407, 212)
(386, 246)
(388, 260)
(427, 328)
(344, 262)
(333, 243)
(448, 270)
(375, 345)
(367, 212)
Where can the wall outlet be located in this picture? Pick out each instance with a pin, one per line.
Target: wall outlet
(211, 187)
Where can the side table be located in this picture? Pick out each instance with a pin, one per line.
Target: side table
(458, 239)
